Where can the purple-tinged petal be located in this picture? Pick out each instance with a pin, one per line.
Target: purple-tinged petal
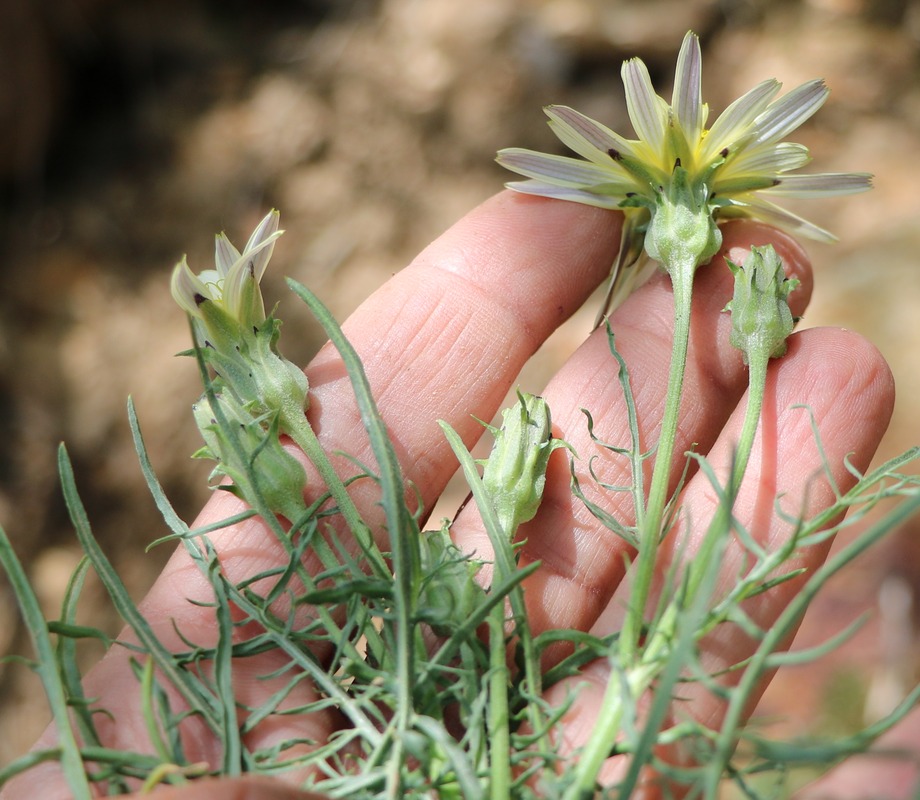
(188, 290)
(560, 170)
(647, 111)
(542, 189)
(766, 160)
(827, 184)
(262, 242)
(225, 254)
(686, 99)
(789, 112)
(585, 136)
(733, 123)
(754, 206)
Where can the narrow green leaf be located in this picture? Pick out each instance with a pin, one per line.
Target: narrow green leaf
(187, 686)
(68, 750)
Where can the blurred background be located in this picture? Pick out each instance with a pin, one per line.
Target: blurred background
(131, 132)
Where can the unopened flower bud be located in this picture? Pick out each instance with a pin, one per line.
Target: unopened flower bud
(450, 593)
(256, 462)
(515, 472)
(761, 317)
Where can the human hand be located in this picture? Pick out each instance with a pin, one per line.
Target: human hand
(445, 339)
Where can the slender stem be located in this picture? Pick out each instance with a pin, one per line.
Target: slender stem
(621, 694)
(650, 531)
(721, 522)
(757, 382)
(297, 427)
(499, 732)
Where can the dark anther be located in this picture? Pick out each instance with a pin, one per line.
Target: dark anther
(252, 268)
(630, 194)
(614, 154)
(199, 299)
(676, 163)
(724, 152)
(776, 181)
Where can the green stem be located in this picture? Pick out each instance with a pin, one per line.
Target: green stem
(651, 521)
(499, 732)
(622, 693)
(297, 427)
(757, 383)
(721, 522)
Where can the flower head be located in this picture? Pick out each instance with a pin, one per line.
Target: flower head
(232, 289)
(235, 337)
(739, 163)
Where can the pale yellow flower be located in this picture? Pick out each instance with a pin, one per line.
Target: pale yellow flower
(233, 287)
(739, 163)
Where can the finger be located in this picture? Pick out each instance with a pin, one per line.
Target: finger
(582, 561)
(447, 337)
(444, 339)
(835, 380)
(847, 387)
(233, 789)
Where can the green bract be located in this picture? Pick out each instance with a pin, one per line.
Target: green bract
(681, 230)
(761, 318)
(515, 472)
(255, 462)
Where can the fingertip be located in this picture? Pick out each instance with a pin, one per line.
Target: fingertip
(852, 371)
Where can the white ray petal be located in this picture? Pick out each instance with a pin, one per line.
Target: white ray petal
(542, 189)
(789, 112)
(827, 184)
(733, 123)
(686, 99)
(562, 170)
(225, 254)
(586, 136)
(647, 111)
(767, 160)
(756, 207)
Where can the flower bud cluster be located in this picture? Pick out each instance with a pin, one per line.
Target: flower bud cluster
(259, 392)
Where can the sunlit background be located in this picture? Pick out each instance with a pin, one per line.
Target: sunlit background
(130, 132)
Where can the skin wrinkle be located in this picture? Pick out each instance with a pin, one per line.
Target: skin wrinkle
(463, 334)
(430, 270)
(504, 241)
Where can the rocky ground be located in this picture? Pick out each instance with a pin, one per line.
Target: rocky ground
(131, 132)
